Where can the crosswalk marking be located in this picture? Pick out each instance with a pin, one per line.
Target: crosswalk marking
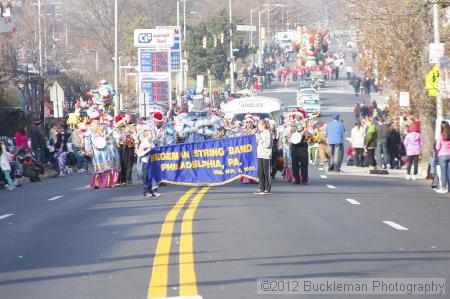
(331, 187)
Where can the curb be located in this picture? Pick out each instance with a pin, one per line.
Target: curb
(393, 173)
(48, 175)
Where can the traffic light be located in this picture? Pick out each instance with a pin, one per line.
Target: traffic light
(204, 42)
(222, 37)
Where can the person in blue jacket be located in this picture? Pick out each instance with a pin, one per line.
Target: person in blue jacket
(335, 131)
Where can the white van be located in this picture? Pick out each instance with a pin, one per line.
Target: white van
(262, 107)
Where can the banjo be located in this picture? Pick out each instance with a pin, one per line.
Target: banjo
(297, 136)
(145, 147)
(99, 142)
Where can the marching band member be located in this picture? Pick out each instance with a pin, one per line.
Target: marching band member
(299, 147)
(249, 125)
(164, 131)
(264, 140)
(249, 129)
(275, 149)
(102, 151)
(145, 144)
(125, 134)
(236, 129)
(159, 133)
(285, 131)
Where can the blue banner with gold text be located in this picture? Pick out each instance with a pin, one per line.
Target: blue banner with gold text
(208, 163)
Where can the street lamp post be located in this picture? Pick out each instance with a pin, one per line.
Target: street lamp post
(437, 39)
(251, 25)
(116, 59)
(268, 16)
(261, 50)
(185, 78)
(40, 36)
(231, 50)
(180, 73)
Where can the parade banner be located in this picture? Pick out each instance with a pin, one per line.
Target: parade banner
(209, 163)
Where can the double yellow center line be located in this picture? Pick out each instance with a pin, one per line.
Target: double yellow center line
(158, 285)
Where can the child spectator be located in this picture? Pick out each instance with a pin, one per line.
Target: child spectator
(5, 158)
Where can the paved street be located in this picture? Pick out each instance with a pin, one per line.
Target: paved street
(62, 240)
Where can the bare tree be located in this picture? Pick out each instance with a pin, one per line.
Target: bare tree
(392, 38)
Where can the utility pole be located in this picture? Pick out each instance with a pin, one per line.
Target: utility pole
(41, 82)
(40, 36)
(179, 77)
(268, 26)
(259, 39)
(185, 78)
(251, 31)
(437, 39)
(116, 59)
(231, 50)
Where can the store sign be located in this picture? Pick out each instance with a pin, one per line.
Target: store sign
(156, 87)
(154, 38)
(153, 61)
(175, 50)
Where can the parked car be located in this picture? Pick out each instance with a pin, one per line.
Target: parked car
(307, 94)
(318, 80)
(306, 83)
(311, 107)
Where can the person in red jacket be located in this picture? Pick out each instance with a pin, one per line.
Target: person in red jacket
(294, 74)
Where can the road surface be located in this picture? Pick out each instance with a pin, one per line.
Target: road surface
(61, 240)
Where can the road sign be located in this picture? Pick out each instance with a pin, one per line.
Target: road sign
(175, 50)
(246, 28)
(57, 97)
(154, 38)
(153, 61)
(431, 81)
(436, 52)
(404, 99)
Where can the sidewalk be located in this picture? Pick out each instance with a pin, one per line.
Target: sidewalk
(364, 171)
(47, 175)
